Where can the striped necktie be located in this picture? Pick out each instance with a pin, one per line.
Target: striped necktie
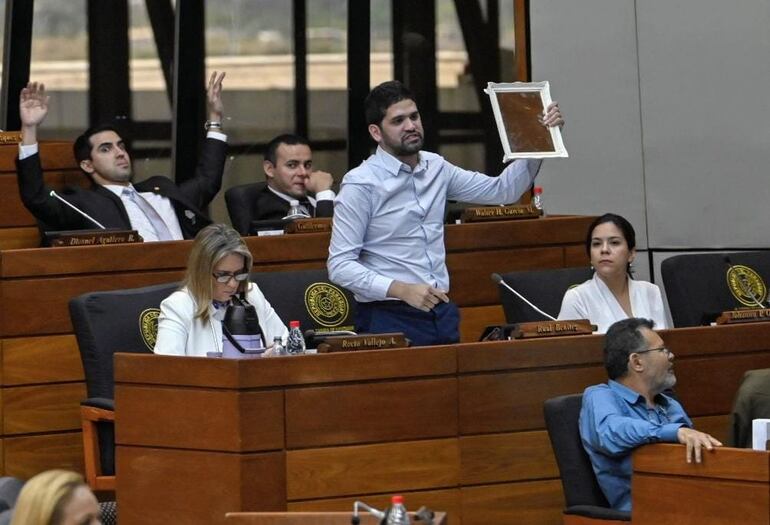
(161, 230)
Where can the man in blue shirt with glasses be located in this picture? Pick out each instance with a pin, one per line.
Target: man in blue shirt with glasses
(631, 409)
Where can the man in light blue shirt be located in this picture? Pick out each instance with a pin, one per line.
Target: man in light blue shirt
(387, 242)
(631, 410)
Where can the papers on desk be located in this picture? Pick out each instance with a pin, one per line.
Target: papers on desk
(759, 432)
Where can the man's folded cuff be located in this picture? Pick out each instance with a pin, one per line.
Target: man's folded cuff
(216, 135)
(668, 432)
(325, 195)
(27, 151)
(380, 286)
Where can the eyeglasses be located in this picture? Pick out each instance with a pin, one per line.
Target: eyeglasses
(224, 277)
(659, 349)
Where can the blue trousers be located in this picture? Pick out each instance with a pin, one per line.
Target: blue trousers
(440, 326)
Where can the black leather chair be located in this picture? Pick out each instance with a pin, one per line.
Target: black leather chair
(585, 501)
(696, 285)
(105, 323)
(240, 201)
(309, 297)
(9, 493)
(544, 288)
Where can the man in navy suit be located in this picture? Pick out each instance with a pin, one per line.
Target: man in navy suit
(157, 208)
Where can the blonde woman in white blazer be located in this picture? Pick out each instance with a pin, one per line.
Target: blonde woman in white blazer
(190, 321)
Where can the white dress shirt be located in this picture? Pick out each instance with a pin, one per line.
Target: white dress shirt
(139, 220)
(594, 301)
(389, 218)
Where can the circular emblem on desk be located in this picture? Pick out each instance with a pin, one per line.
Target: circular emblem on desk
(746, 285)
(326, 304)
(148, 326)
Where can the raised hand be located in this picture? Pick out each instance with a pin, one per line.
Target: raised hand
(214, 96)
(33, 104)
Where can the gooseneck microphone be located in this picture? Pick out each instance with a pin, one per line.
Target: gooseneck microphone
(81, 212)
(745, 286)
(496, 277)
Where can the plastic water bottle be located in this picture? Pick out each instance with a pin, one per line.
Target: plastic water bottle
(397, 514)
(295, 343)
(537, 199)
(278, 348)
(295, 212)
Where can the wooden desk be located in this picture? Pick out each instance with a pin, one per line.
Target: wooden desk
(41, 378)
(458, 428)
(730, 486)
(308, 518)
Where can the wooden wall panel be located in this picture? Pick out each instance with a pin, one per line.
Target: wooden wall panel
(506, 457)
(25, 456)
(53, 295)
(576, 256)
(437, 500)
(538, 502)
(234, 422)
(729, 502)
(18, 228)
(32, 360)
(695, 376)
(531, 354)
(13, 212)
(553, 230)
(54, 155)
(470, 282)
(393, 411)
(310, 370)
(390, 467)
(165, 474)
(474, 319)
(15, 238)
(42, 408)
(717, 426)
(509, 402)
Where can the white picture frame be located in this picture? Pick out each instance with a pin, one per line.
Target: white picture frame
(519, 108)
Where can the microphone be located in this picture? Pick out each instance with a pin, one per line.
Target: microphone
(355, 520)
(332, 333)
(81, 212)
(745, 286)
(497, 278)
(313, 338)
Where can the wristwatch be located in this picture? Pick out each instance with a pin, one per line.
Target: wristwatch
(213, 124)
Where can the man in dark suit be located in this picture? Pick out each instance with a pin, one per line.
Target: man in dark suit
(288, 166)
(157, 208)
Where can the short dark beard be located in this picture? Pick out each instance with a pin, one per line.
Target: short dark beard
(410, 149)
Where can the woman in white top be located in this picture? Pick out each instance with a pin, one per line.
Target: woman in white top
(190, 321)
(612, 295)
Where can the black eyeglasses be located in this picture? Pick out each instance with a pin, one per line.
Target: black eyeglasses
(224, 277)
(659, 349)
